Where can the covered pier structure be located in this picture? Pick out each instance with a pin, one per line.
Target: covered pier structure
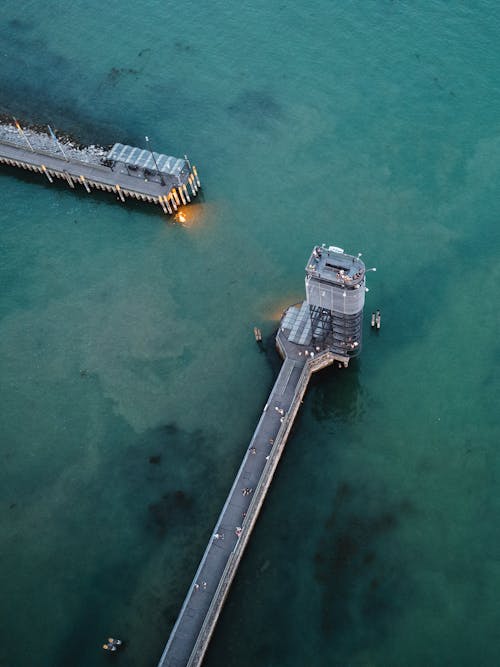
(129, 172)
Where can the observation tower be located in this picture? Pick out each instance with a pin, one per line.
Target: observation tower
(331, 317)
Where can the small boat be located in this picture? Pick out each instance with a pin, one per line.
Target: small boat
(112, 644)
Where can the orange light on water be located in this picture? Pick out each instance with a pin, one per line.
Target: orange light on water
(193, 215)
(275, 311)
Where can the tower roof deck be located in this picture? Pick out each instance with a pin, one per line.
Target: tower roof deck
(333, 265)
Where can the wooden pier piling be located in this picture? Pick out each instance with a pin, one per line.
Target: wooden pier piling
(181, 194)
(69, 180)
(44, 169)
(87, 187)
(192, 185)
(160, 201)
(120, 193)
(166, 203)
(195, 172)
(172, 200)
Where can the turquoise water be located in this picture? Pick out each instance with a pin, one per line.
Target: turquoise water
(371, 125)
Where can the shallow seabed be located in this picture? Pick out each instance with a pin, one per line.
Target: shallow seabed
(130, 383)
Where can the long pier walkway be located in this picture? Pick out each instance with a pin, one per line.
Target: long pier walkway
(123, 177)
(198, 616)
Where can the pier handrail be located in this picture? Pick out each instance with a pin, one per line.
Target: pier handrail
(218, 599)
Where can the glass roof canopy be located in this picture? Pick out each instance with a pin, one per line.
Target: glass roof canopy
(143, 159)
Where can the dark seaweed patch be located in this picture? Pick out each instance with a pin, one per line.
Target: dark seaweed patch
(256, 109)
(355, 564)
(174, 508)
(116, 73)
(339, 396)
(170, 429)
(182, 46)
(169, 613)
(20, 24)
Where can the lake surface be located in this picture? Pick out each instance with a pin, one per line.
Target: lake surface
(130, 382)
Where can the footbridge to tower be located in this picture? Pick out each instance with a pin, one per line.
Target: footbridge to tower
(312, 335)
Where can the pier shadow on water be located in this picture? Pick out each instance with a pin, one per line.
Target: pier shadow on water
(337, 394)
